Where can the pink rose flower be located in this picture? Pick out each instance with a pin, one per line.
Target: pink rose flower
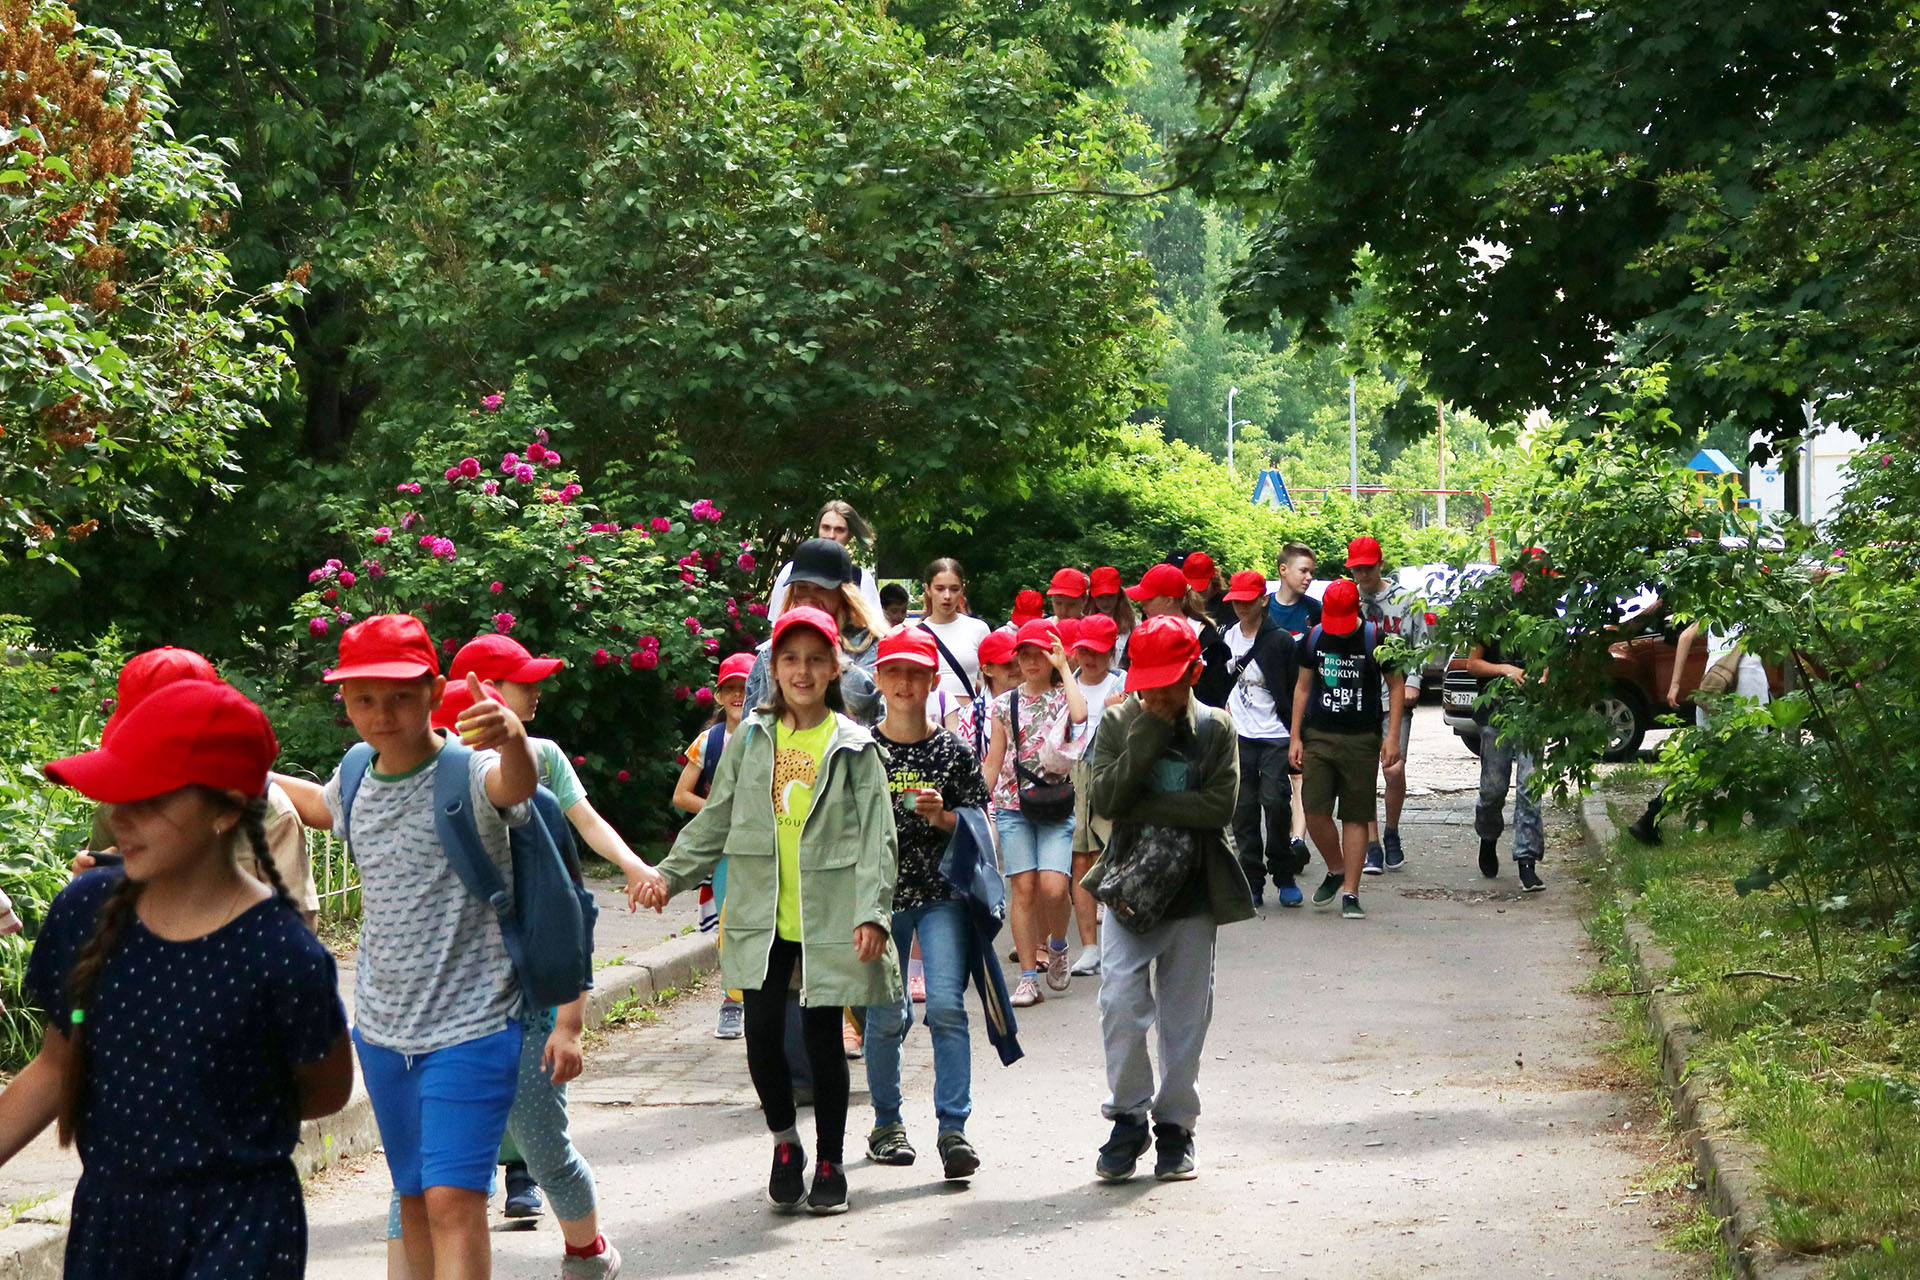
(757, 609)
(601, 657)
(523, 473)
(711, 645)
(409, 520)
(453, 475)
(579, 759)
(540, 434)
(503, 622)
(469, 467)
(382, 534)
(623, 776)
(493, 402)
(746, 562)
(490, 488)
(329, 594)
(496, 587)
(661, 524)
(346, 578)
(553, 459)
(508, 461)
(644, 659)
(1518, 580)
(682, 692)
(536, 453)
(317, 626)
(686, 576)
(450, 645)
(703, 697)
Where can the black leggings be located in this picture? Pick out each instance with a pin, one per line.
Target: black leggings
(766, 1019)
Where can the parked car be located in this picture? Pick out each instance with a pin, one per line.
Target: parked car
(1636, 696)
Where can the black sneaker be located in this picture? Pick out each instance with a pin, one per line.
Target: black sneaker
(1489, 858)
(1645, 829)
(787, 1184)
(1396, 856)
(1124, 1148)
(1328, 889)
(1173, 1153)
(829, 1194)
(958, 1159)
(1350, 908)
(1259, 899)
(1301, 856)
(888, 1144)
(1529, 878)
(523, 1193)
(1376, 863)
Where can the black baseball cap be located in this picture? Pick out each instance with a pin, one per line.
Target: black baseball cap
(823, 562)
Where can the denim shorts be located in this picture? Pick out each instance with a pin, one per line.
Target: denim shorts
(1034, 846)
(442, 1114)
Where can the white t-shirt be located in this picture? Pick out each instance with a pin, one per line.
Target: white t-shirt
(777, 598)
(962, 637)
(1750, 683)
(1096, 696)
(1251, 703)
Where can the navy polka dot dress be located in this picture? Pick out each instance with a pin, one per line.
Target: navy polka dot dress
(188, 1125)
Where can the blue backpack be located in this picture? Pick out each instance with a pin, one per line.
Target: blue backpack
(547, 921)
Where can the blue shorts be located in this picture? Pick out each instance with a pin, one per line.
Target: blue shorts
(1034, 846)
(442, 1114)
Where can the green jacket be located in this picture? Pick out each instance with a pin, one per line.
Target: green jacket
(1129, 743)
(849, 859)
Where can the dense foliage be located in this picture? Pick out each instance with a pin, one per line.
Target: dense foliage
(127, 358)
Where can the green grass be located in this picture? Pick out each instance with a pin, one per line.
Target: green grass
(1819, 1073)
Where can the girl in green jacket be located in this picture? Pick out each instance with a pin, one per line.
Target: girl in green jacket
(801, 811)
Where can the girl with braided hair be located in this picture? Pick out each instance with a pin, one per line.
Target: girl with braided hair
(193, 1020)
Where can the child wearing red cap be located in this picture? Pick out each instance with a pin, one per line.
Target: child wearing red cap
(437, 1008)
(690, 796)
(1260, 675)
(1165, 773)
(1393, 611)
(1338, 744)
(1067, 594)
(286, 838)
(930, 774)
(801, 811)
(1035, 742)
(193, 1020)
(1102, 687)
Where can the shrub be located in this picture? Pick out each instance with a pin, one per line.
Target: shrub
(640, 594)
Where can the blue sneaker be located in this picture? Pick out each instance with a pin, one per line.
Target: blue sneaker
(1290, 895)
(1396, 858)
(1376, 864)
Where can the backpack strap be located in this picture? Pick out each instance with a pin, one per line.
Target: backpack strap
(459, 829)
(353, 771)
(952, 661)
(710, 755)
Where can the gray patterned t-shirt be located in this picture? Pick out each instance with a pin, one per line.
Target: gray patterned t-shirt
(432, 970)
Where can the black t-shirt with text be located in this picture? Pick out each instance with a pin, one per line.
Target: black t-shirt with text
(939, 762)
(1345, 694)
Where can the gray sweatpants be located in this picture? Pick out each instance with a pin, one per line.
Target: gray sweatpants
(1162, 978)
(1499, 765)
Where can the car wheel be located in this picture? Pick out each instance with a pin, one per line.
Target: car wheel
(1471, 743)
(1627, 717)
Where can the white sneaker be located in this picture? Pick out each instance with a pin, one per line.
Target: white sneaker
(1088, 965)
(1058, 973)
(1027, 994)
(602, 1266)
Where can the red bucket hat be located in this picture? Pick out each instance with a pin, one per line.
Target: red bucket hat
(498, 657)
(387, 646)
(1160, 652)
(192, 732)
(1340, 607)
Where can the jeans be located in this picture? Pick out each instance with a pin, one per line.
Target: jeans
(1501, 764)
(1158, 980)
(1026, 845)
(943, 928)
(1266, 792)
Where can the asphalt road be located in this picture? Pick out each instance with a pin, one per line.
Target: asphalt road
(1417, 1094)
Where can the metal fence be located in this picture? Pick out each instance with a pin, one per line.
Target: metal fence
(334, 875)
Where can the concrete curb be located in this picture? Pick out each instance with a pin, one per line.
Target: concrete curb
(34, 1247)
(1731, 1163)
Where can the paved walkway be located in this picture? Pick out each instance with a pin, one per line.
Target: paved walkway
(1418, 1094)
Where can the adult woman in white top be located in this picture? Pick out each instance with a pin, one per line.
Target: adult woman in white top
(959, 634)
(840, 522)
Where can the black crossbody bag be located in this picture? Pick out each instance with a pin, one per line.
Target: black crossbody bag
(1040, 800)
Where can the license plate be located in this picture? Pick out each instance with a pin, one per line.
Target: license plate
(1460, 699)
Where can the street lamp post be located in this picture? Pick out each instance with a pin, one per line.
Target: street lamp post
(1353, 439)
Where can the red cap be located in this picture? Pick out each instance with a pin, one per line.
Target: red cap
(1026, 607)
(737, 666)
(1098, 633)
(1068, 630)
(1160, 652)
(1041, 632)
(1105, 581)
(811, 618)
(1248, 584)
(997, 649)
(146, 672)
(1340, 607)
(1068, 582)
(1198, 571)
(910, 646)
(191, 732)
(387, 646)
(498, 657)
(1362, 552)
(456, 700)
(1161, 580)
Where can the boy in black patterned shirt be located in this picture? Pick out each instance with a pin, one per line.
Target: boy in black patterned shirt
(931, 773)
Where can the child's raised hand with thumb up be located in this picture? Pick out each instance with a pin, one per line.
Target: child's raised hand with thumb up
(487, 725)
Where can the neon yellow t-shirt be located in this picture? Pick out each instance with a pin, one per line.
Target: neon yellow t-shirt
(797, 759)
